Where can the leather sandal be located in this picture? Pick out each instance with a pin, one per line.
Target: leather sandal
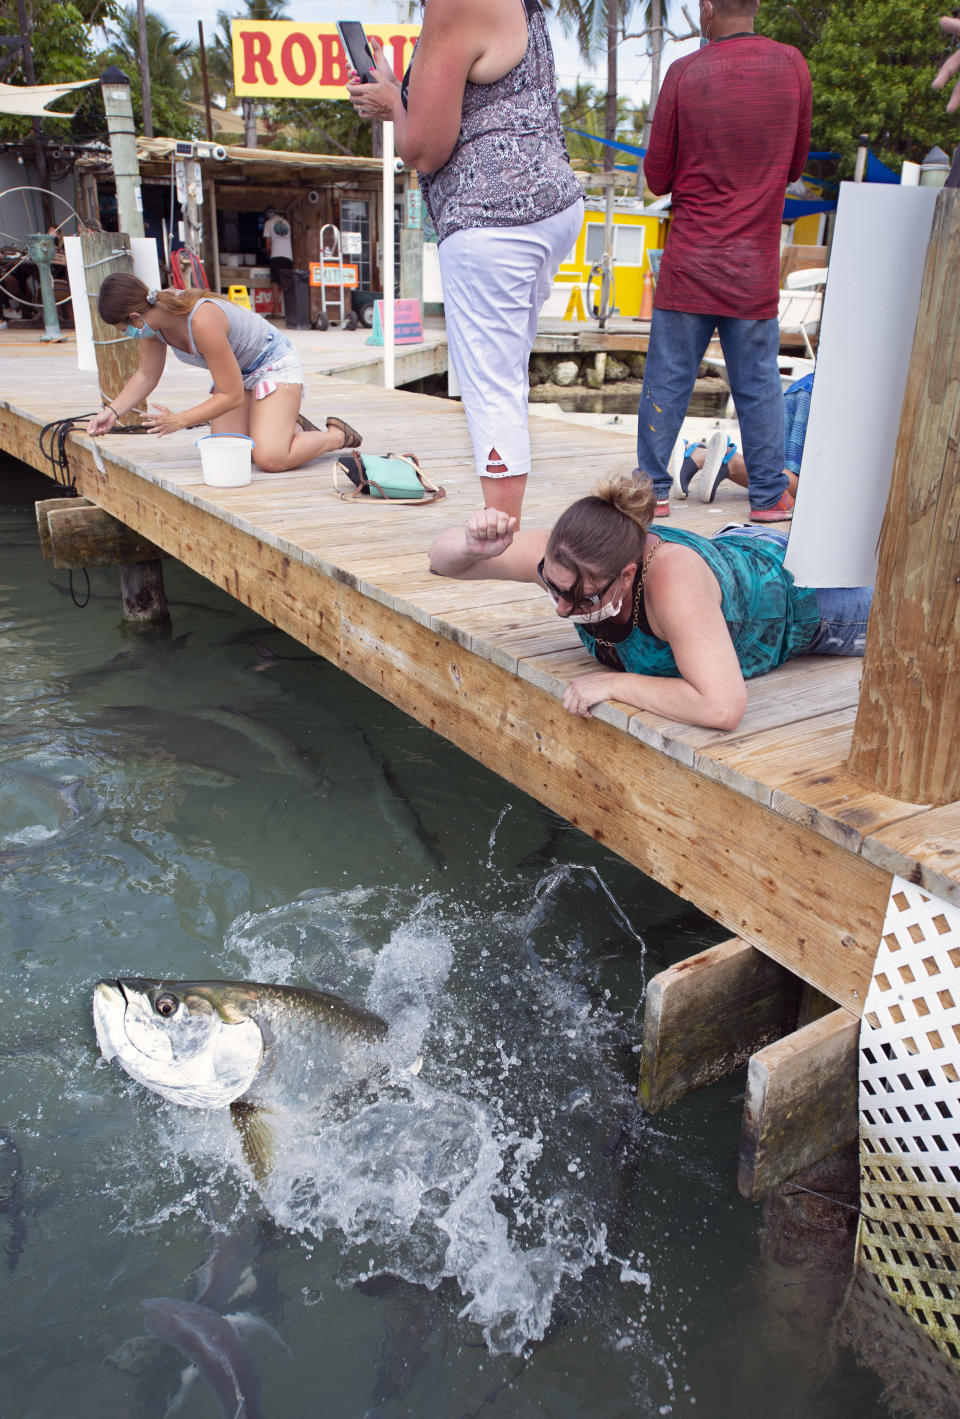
(304, 423)
(351, 439)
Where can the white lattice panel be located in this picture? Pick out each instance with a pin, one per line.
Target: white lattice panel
(910, 1113)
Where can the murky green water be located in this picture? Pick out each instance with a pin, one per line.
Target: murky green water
(503, 1236)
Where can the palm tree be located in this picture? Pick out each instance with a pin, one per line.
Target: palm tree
(169, 65)
(595, 24)
(220, 55)
(583, 107)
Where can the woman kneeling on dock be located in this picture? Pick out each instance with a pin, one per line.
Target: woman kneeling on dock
(258, 380)
(679, 620)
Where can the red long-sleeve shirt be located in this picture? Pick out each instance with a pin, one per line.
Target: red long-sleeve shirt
(731, 129)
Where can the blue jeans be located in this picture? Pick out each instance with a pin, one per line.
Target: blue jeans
(843, 609)
(678, 342)
(843, 620)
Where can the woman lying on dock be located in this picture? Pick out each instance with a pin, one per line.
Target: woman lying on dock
(679, 620)
(258, 379)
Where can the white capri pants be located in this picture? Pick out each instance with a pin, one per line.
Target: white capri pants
(495, 279)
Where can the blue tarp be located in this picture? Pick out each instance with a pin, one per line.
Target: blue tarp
(877, 171)
(612, 143)
(793, 207)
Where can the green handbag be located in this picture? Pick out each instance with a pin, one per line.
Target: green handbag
(392, 477)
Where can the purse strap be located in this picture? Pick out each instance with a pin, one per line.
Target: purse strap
(434, 490)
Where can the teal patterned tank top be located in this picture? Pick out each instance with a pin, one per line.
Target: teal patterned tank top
(769, 617)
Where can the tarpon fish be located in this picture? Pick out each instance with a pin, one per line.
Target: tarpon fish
(211, 1343)
(240, 1045)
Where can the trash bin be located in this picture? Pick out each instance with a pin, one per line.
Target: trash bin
(296, 301)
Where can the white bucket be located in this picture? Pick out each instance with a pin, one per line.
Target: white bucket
(225, 459)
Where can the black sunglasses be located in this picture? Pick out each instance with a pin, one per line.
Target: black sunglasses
(591, 599)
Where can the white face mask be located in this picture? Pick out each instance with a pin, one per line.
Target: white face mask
(600, 613)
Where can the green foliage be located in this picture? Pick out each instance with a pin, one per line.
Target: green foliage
(872, 68)
(171, 73)
(584, 107)
(321, 126)
(63, 47)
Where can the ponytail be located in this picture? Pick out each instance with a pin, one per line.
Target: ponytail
(123, 295)
(603, 533)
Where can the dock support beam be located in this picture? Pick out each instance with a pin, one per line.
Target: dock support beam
(77, 534)
(732, 1006)
(707, 1015)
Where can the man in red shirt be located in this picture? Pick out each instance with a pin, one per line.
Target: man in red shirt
(730, 131)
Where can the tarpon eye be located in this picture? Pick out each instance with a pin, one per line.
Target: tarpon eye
(166, 1004)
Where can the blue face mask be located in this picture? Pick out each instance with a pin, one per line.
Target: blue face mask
(134, 332)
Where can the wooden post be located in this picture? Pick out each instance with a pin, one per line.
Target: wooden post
(800, 1102)
(144, 599)
(117, 358)
(706, 1016)
(76, 533)
(906, 741)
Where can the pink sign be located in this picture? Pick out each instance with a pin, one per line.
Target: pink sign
(407, 325)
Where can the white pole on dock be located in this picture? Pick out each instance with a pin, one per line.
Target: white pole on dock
(387, 267)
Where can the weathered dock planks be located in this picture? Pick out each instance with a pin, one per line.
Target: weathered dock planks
(763, 828)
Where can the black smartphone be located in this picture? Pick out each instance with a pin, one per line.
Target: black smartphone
(358, 51)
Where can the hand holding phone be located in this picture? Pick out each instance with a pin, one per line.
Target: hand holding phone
(358, 51)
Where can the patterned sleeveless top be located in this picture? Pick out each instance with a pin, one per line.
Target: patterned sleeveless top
(510, 165)
(769, 617)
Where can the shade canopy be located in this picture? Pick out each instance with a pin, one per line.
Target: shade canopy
(30, 100)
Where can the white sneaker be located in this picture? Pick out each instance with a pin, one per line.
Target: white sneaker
(714, 469)
(674, 466)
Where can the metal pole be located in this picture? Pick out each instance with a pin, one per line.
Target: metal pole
(123, 150)
(387, 246)
(31, 77)
(606, 280)
(40, 249)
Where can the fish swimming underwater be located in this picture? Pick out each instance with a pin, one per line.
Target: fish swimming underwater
(252, 1047)
(211, 1343)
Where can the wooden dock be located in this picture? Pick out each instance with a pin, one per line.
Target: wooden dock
(761, 828)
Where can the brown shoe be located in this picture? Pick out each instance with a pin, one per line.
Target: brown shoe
(304, 423)
(351, 439)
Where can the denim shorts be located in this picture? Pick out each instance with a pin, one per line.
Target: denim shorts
(843, 609)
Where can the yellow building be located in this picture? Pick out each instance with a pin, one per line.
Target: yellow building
(635, 234)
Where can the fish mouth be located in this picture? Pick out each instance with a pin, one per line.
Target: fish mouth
(109, 1004)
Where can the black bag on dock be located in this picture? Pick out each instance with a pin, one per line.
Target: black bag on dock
(393, 477)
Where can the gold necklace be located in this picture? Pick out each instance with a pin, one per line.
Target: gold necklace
(637, 595)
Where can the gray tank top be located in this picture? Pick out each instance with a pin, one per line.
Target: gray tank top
(510, 165)
(253, 340)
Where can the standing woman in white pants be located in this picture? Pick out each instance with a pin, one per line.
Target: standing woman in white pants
(477, 115)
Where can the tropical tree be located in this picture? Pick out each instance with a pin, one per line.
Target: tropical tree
(871, 69)
(583, 108)
(170, 60)
(595, 24)
(220, 55)
(63, 48)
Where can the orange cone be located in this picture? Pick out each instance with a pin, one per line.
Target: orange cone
(646, 301)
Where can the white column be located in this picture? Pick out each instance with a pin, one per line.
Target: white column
(387, 248)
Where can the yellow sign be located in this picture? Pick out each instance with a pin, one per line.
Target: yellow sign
(275, 59)
(333, 276)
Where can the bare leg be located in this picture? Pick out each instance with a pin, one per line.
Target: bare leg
(505, 494)
(278, 445)
(737, 470)
(237, 421)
